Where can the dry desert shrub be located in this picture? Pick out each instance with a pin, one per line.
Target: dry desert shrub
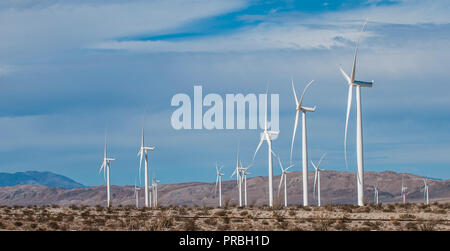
(372, 225)
(189, 225)
(323, 223)
(407, 216)
(428, 226)
(340, 225)
(211, 221)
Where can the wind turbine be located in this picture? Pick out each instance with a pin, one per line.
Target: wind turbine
(303, 110)
(267, 136)
(136, 193)
(403, 192)
(283, 177)
(375, 196)
(105, 167)
(317, 177)
(219, 181)
(244, 177)
(144, 151)
(425, 191)
(238, 173)
(155, 191)
(359, 139)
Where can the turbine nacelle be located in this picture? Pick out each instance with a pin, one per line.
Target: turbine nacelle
(306, 109)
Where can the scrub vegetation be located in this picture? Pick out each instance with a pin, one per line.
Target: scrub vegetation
(391, 217)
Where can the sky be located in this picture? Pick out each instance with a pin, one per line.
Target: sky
(71, 70)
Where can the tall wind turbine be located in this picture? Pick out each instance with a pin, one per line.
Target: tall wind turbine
(244, 177)
(317, 177)
(219, 182)
(267, 136)
(136, 193)
(284, 173)
(375, 196)
(238, 173)
(303, 110)
(403, 192)
(144, 151)
(425, 191)
(155, 191)
(359, 139)
(105, 167)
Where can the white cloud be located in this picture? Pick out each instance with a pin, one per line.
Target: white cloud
(296, 31)
(63, 25)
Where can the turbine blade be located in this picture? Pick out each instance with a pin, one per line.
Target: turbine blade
(259, 146)
(293, 134)
(102, 166)
(281, 165)
(140, 166)
(295, 94)
(349, 80)
(304, 91)
(321, 158)
(281, 182)
(349, 105)
(215, 188)
(356, 52)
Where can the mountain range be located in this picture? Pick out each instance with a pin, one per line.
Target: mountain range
(336, 188)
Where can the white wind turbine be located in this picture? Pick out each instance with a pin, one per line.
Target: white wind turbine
(136, 193)
(238, 173)
(284, 173)
(267, 136)
(425, 191)
(155, 191)
(106, 166)
(375, 196)
(144, 151)
(244, 177)
(317, 177)
(403, 192)
(359, 139)
(303, 110)
(219, 182)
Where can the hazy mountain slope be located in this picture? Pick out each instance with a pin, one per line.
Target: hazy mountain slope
(38, 178)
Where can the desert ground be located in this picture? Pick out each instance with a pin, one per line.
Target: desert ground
(390, 217)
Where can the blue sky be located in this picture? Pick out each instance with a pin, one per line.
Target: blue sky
(68, 69)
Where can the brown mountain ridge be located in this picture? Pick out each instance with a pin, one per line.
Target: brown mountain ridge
(336, 188)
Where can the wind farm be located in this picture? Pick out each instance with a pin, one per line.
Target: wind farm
(203, 77)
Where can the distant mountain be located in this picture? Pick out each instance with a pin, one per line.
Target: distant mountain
(38, 178)
(336, 188)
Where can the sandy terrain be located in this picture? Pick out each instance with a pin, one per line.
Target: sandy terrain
(392, 217)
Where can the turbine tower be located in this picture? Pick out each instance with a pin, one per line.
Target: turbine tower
(219, 182)
(238, 173)
(105, 167)
(155, 191)
(359, 139)
(425, 191)
(284, 173)
(244, 174)
(144, 151)
(375, 196)
(136, 193)
(267, 136)
(317, 177)
(303, 110)
(403, 192)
